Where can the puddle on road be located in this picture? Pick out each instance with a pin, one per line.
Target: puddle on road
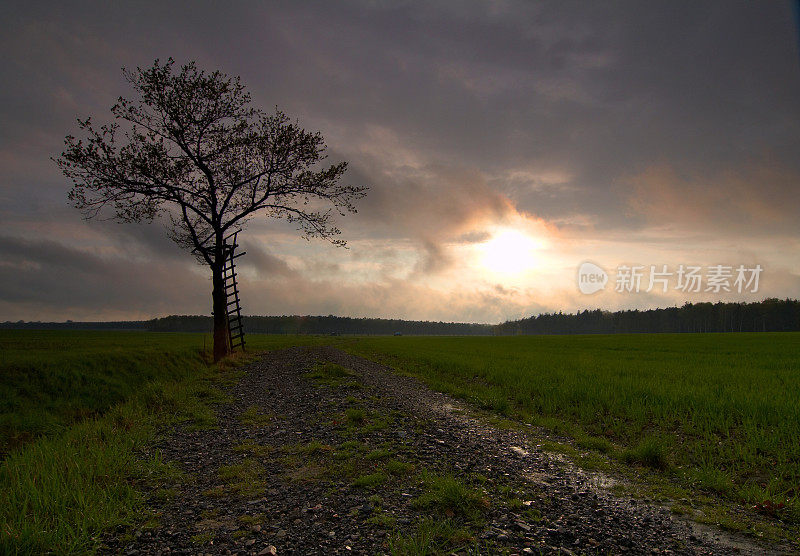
(594, 482)
(599, 480)
(519, 451)
(539, 478)
(450, 408)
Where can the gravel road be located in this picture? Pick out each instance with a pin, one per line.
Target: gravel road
(331, 463)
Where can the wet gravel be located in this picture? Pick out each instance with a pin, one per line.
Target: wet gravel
(297, 501)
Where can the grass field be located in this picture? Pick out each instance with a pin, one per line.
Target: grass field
(717, 412)
(75, 410)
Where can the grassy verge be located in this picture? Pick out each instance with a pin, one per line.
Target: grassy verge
(50, 380)
(106, 395)
(718, 415)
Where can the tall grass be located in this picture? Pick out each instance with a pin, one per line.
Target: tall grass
(52, 379)
(60, 492)
(106, 394)
(720, 410)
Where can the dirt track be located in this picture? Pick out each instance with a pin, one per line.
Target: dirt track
(332, 465)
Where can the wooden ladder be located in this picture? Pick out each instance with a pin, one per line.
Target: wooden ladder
(233, 307)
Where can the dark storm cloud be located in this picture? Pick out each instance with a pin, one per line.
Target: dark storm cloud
(39, 274)
(612, 117)
(264, 263)
(602, 91)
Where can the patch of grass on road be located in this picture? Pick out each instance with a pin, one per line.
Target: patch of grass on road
(243, 478)
(331, 374)
(451, 497)
(434, 536)
(253, 417)
(370, 481)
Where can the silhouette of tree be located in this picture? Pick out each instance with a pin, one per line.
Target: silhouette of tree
(192, 147)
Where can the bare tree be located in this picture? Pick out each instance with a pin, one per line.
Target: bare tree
(191, 147)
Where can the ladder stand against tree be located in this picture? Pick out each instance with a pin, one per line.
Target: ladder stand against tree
(233, 307)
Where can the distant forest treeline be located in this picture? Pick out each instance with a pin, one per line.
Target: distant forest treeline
(325, 325)
(770, 315)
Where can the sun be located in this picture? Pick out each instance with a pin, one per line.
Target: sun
(509, 252)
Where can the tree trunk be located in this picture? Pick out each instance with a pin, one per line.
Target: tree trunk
(222, 346)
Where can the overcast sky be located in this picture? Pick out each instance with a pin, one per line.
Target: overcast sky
(504, 144)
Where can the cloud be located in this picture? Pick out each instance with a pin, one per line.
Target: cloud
(42, 277)
(666, 128)
(757, 197)
(265, 264)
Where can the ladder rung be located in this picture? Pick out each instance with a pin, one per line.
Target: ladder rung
(232, 308)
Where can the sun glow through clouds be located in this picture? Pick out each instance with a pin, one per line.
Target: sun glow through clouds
(509, 252)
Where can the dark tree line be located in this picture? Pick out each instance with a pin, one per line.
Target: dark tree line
(324, 325)
(770, 315)
(126, 325)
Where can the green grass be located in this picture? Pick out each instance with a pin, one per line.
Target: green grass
(398, 468)
(355, 416)
(76, 408)
(62, 491)
(651, 451)
(253, 417)
(243, 478)
(50, 380)
(325, 372)
(719, 412)
(370, 481)
(433, 536)
(450, 496)
(380, 453)
(315, 447)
